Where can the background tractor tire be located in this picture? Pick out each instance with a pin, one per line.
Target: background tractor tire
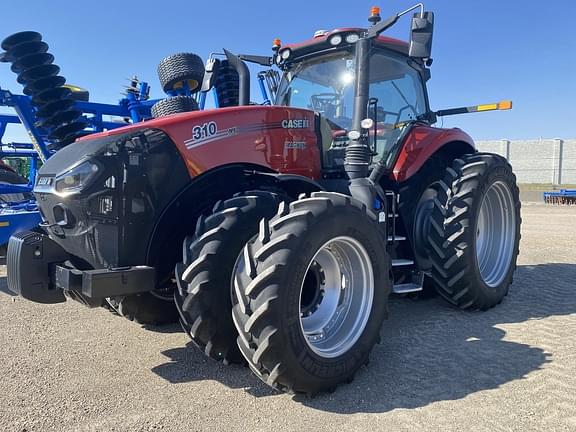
(9, 177)
(145, 308)
(205, 275)
(227, 84)
(474, 231)
(173, 105)
(283, 280)
(178, 68)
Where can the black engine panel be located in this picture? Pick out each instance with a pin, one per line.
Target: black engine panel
(109, 223)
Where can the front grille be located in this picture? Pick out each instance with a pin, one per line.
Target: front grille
(110, 222)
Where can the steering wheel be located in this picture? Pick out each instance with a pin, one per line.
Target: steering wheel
(322, 100)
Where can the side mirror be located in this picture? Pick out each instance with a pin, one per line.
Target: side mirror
(421, 35)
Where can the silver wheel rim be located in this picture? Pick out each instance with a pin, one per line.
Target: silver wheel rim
(495, 234)
(335, 310)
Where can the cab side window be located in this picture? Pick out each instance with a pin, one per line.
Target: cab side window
(400, 98)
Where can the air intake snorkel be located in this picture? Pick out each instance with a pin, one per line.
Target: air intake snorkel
(358, 153)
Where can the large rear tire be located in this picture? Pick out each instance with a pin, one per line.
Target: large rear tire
(474, 231)
(311, 293)
(204, 278)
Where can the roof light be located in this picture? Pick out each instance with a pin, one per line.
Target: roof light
(320, 33)
(335, 40)
(352, 38)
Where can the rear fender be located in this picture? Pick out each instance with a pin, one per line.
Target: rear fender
(422, 142)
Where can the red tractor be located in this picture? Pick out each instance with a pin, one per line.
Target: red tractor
(288, 225)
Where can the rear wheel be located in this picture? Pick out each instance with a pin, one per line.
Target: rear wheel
(311, 292)
(204, 277)
(474, 231)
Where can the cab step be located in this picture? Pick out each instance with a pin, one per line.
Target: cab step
(400, 262)
(406, 288)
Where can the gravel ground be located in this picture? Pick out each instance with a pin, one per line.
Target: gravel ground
(513, 368)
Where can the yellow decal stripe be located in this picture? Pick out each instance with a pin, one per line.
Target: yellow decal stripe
(487, 107)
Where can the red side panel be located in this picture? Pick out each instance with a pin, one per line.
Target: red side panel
(280, 138)
(420, 144)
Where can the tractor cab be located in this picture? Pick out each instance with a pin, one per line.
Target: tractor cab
(364, 88)
(320, 75)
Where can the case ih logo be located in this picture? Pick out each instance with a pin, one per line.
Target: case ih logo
(295, 124)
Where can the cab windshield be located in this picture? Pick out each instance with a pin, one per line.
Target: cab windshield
(326, 85)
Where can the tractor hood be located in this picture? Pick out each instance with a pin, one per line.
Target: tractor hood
(99, 197)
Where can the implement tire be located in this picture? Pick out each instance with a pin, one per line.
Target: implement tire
(204, 278)
(173, 105)
(474, 231)
(311, 293)
(178, 68)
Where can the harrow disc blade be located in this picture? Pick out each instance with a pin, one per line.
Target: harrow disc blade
(51, 95)
(20, 37)
(38, 72)
(61, 117)
(44, 84)
(51, 108)
(31, 60)
(24, 49)
(66, 130)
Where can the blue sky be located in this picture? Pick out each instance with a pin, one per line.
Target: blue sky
(484, 51)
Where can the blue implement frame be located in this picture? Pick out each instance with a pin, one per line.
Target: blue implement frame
(562, 196)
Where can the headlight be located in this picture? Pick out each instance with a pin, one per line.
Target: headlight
(335, 40)
(285, 54)
(76, 179)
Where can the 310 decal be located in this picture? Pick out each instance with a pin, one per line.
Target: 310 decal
(204, 130)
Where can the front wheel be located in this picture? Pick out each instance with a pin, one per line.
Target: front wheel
(474, 231)
(204, 276)
(310, 293)
(148, 308)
